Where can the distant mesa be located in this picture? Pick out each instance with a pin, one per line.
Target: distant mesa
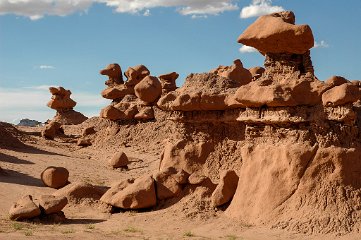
(29, 123)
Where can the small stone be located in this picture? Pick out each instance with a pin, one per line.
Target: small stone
(119, 160)
(52, 204)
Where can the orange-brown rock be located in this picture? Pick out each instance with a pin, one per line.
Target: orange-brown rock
(226, 188)
(145, 113)
(84, 142)
(234, 72)
(341, 95)
(167, 185)
(55, 177)
(256, 72)
(112, 113)
(88, 131)
(149, 89)
(119, 160)
(79, 191)
(335, 81)
(140, 194)
(24, 208)
(51, 130)
(114, 72)
(52, 204)
(114, 189)
(60, 99)
(136, 74)
(276, 33)
(117, 92)
(168, 82)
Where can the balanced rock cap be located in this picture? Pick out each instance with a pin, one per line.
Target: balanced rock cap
(277, 33)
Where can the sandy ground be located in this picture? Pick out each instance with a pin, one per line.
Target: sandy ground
(23, 166)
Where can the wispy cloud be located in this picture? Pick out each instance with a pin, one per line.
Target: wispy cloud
(46, 67)
(259, 8)
(247, 49)
(37, 9)
(321, 44)
(30, 102)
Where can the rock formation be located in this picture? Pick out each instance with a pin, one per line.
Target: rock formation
(55, 177)
(63, 104)
(133, 99)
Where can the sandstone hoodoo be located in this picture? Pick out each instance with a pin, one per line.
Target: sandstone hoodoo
(168, 82)
(55, 177)
(63, 104)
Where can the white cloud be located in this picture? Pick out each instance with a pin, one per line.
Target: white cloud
(46, 67)
(321, 44)
(30, 102)
(247, 49)
(36, 9)
(259, 8)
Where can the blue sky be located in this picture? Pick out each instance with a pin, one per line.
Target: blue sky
(65, 43)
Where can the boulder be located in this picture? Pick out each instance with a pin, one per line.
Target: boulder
(225, 189)
(51, 130)
(167, 185)
(112, 113)
(168, 82)
(79, 191)
(117, 92)
(84, 142)
(149, 89)
(145, 113)
(114, 189)
(140, 194)
(88, 131)
(55, 177)
(24, 208)
(256, 72)
(119, 160)
(136, 74)
(60, 99)
(276, 33)
(69, 117)
(114, 72)
(335, 81)
(52, 204)
(197, 178)
(234, 72)
(341, 95)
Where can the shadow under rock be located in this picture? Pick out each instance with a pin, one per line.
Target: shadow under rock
(10, 176)
(83, 221)
(12, 159)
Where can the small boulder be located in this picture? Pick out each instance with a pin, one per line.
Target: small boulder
(84, 142)
(136, 74)
(167, 185)
(341, 95)
(88, 131)
(51, 130)
(256, 72)
(114, 189)
(52, 204)
(55, 177)
(234, 72)
(140, 194)
(78, 191)
(119, 160)
(145, 113)
(112, 113)
(197, 178)
(149, 89)
(225, 189)
(24, 208)
(168, 82)
(335, 81)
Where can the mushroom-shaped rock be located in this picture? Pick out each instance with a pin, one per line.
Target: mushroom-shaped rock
(276, 33)
(149, 89)
(114, 72)
(78, 191)
(167, 184)
(140, 194)
(235, 72)
(136, 74)
(60, 99)
(119, 160)
(24, 208)
(256, 72)
(225, 189)
(341, 95)
(55, 177)
(168, 82)
(52, 204)
(114, 189)
(51, 130)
